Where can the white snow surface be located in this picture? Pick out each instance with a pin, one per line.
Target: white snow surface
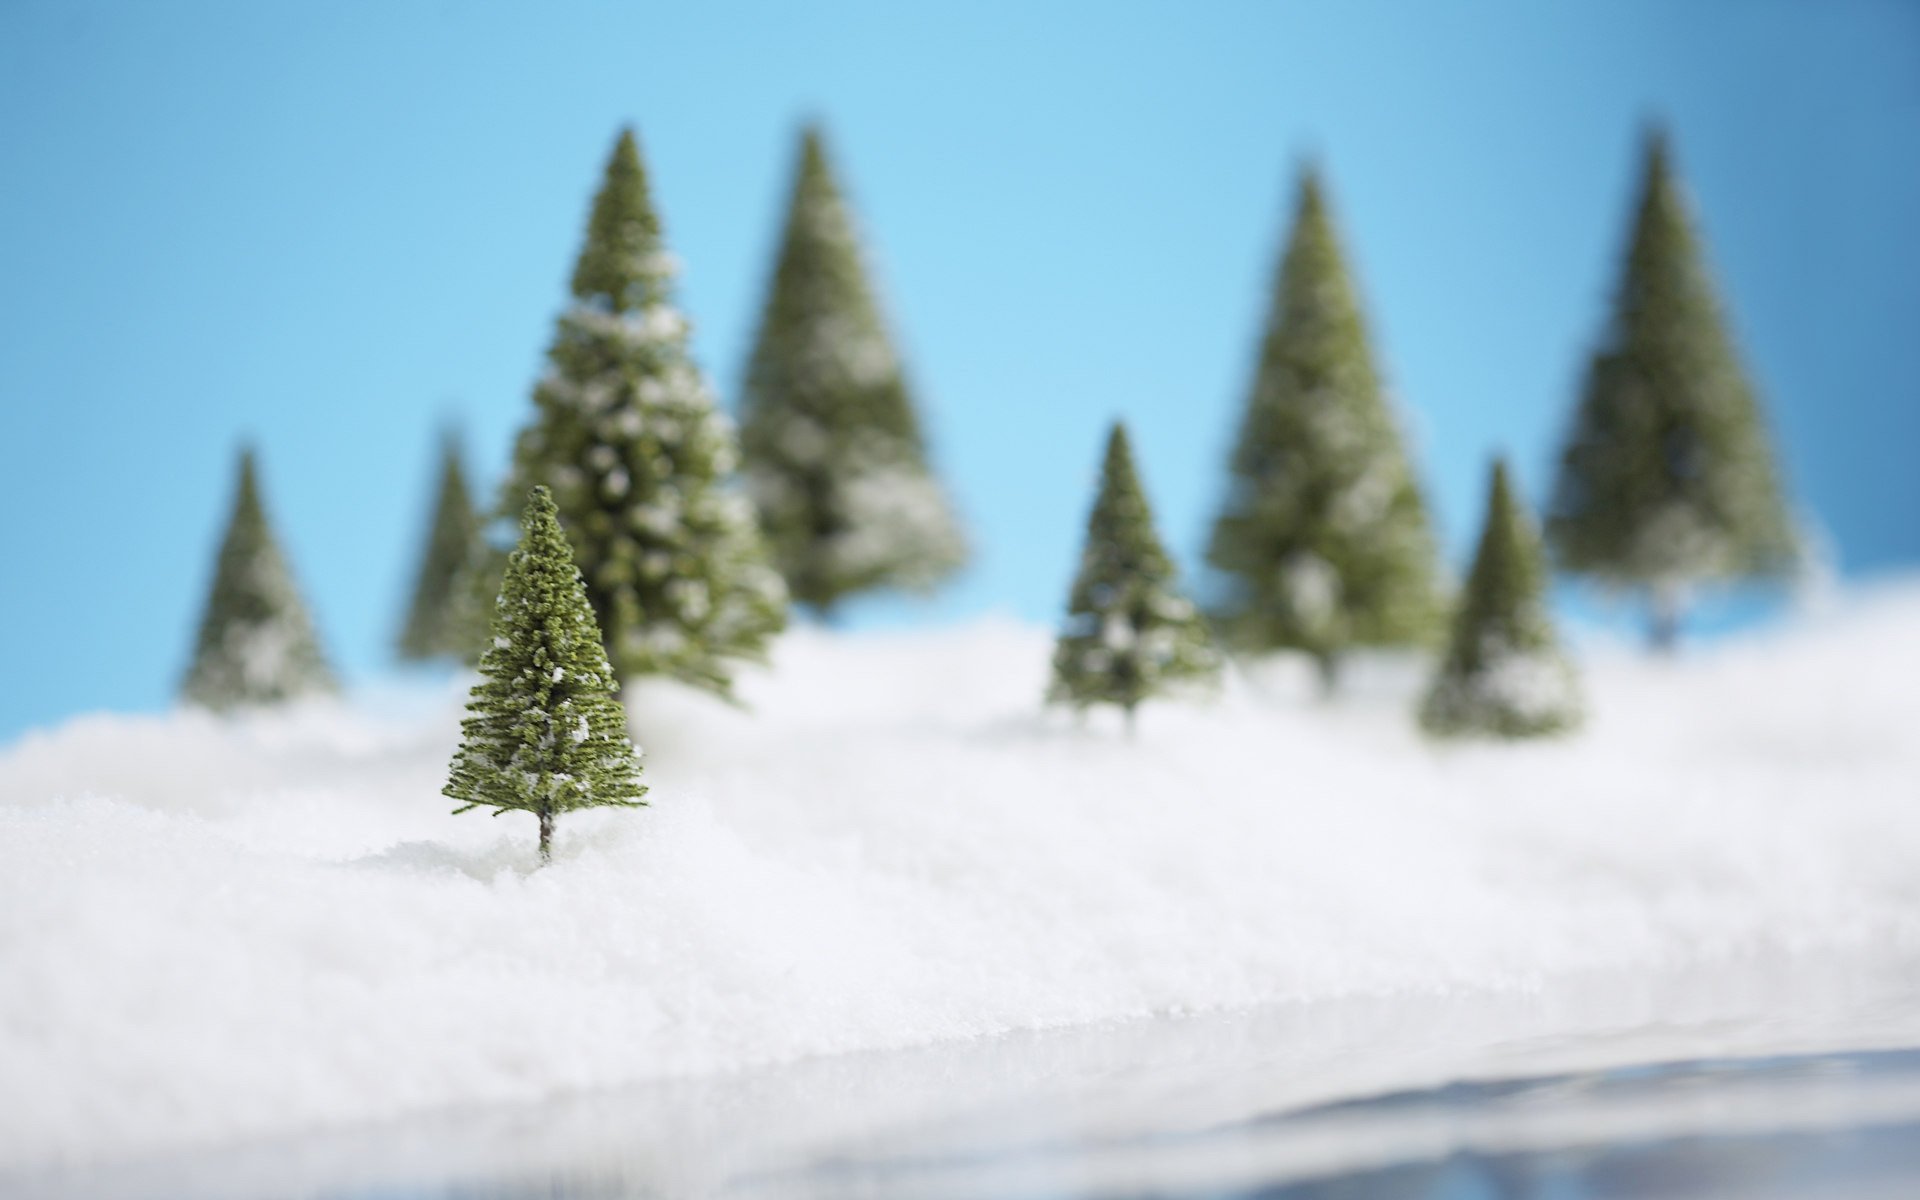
(217, 928)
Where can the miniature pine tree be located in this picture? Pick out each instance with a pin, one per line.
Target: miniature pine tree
(833, 451)
(548, 734)
(431, 630)
(1667, 479)
(256, 643)
(1130, 633)
(1503, 674)
(1322, 543)
(626, 435)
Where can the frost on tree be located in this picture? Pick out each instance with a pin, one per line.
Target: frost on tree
(626, 435)
(1322, 543)
(547, 734)
(834, 454)
(1503, 674)
(433, 629)
(1667, 479)
(256, 643)
(1130, 633)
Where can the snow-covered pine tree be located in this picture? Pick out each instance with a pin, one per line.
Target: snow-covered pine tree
(432, 630)
(548, 734)
(626, 435)
(1503, 674)
(1130, 632)
(1667, 479)
(1322, 543)
(833, 450)
(256, 643)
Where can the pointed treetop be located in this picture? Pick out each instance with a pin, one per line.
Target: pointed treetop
(433, 627)
(623, 266)
(1122, 520)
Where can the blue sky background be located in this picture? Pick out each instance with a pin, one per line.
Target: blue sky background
(329, 226)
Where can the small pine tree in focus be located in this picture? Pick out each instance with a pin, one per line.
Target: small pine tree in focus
(1130, 633)
(626, 436)
(256, 643)
(1667, 479)
(1322, 544)
(833, 451)
(1503, 674)
(432, 630)
(547, 734)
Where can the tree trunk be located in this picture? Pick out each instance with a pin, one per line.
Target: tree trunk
(1133, 729)
(546, 837)
(1663, 630)
(1327, 670)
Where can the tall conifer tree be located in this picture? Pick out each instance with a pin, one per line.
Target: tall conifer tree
(432, 629)
(1130, 632)
(1667, 479)
(626, 435)
(547, 734)
(833, 447)
(1503, 674)
(256, 643)
(1322, 543)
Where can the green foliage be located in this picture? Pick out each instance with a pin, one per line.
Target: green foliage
(1322, 543)
(475, 588)
(1130, 633)
(547, 734)
(833, 450)
(432, 630)
(626, 435)
(1667, 479)
(256, 643)
(1503, 675)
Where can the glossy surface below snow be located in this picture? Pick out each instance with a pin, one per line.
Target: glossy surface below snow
(1755, 1078)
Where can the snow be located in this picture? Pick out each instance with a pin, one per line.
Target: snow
(217, 928)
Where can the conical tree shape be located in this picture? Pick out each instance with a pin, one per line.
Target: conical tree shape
(1130, 632)
(432, 630)
(1503, 675)
(256, 643)
(1322, 543)
(833, 451)
(547, 734)
(626, 435)
(1667, 479)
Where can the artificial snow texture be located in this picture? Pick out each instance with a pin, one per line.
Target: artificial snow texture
(214, 928)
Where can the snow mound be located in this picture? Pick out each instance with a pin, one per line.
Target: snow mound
(216, 928)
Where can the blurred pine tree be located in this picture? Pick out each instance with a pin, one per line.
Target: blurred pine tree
(256, 643)
(1130, 632)
(1503, 674)
(1322, 543)
(834, 453)
(1667, 479)
(626, 435)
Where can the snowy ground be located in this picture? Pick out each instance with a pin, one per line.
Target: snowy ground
(215, 929)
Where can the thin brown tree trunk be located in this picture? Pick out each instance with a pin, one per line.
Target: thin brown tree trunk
(546, 837)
